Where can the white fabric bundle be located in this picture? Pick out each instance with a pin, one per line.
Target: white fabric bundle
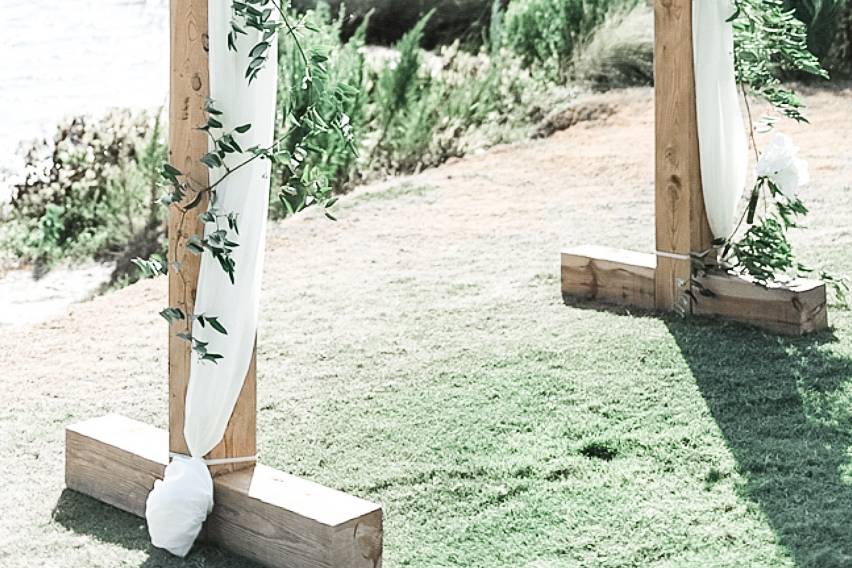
(178, 505)
(721, 132)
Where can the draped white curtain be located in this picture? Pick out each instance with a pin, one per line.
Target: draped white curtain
(721, 131)
(177, 506)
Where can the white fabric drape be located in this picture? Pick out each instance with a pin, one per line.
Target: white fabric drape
(721, 131)
(177, 506)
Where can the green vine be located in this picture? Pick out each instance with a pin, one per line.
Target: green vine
(258, 15)
(771, 45)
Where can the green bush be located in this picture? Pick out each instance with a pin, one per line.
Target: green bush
(92, 191)
(548, 32)
(89, 191)
(428, 112)
(821, 18)
(839, 57)
(401, 109)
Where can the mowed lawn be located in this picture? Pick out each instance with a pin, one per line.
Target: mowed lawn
(418, 353)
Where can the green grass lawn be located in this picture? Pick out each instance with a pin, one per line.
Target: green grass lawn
(601, 439)
(418, 353)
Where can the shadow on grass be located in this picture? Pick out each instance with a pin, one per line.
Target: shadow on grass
(84, 515)
(784, 407)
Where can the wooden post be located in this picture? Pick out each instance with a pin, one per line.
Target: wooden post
(682, 225)
(190, 88)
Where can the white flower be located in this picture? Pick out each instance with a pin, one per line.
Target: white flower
(780, 163)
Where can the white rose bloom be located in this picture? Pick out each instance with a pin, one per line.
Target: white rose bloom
(780, 163)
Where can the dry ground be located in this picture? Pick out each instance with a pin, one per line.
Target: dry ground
(417, 352)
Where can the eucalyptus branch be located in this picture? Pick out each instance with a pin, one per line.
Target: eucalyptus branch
(292, 32)
(185, 196)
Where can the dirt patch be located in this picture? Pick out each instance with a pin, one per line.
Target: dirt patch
(581, 111)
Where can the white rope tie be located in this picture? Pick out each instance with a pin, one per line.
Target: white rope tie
(679, 256)
(673, 255)
(219, 461)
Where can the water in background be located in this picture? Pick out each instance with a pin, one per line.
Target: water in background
(62, 57)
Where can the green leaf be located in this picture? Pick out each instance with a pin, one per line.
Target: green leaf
(752, 206)
(172, 315)
(259, 49)
(171, 170)
(195, 245)
(211, 160)
(214, 323)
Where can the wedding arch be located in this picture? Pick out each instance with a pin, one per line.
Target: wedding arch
(209, 453)
(281, 520)
(680, 276)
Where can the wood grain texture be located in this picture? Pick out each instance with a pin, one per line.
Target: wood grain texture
(115, 460)
(190, 88)
(794, 309)
(681, 220)
(609, 275)
(269, 516)
(274, 518)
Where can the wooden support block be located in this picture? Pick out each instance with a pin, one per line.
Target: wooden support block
(794, 309)
(271, 517)
(609, 275)
(625, 277)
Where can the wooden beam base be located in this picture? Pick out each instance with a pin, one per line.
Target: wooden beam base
(268, 516)
(625, 277)
(609, 275)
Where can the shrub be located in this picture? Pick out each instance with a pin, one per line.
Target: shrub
(839, 58)
(400, 96)
(89, 191)
(547, 32)
(620, 52)
(429, 112)
(821, 18)
(93, 192)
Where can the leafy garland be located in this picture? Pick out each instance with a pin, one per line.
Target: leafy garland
(771, 44)
(303, 189)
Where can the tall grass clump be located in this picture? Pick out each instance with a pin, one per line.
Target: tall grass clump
(428, 111)
(399, 96)
(620, 52)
